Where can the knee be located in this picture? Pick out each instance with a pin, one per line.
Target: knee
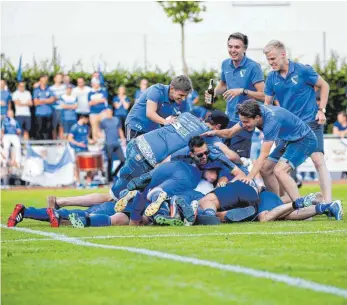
(262, 217)
(318, 160)
(267, 169)
(210, 200)
(279, 171)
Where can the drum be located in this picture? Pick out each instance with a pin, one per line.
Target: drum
(89, 161)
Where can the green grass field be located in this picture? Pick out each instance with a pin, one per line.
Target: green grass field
(131, 265)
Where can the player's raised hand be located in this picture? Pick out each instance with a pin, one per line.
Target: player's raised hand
(231, 93)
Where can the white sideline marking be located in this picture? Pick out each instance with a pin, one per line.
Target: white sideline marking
(282, 278)
(187, 235)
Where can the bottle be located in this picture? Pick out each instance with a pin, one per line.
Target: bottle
(210, 90)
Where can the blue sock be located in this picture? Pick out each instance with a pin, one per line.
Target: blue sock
(321, 208)
(164, 210)
(209, 212)
(37, 214)
(99, 220)
(63, 213)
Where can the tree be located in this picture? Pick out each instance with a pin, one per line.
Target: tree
(181, 12)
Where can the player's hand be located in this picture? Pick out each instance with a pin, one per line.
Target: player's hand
(245, 179)
(231, 93)
(82, 145)
(320, 117)
(210, 133)
(169, 120)
(221, 184)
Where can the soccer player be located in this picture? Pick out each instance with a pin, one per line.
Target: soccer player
(276, 123)
(175, 177)
(241, 79)
(148, 150)
(293, 84)
(155, 105)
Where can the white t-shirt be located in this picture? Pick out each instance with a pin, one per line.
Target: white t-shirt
(82, 98)
(23, 97)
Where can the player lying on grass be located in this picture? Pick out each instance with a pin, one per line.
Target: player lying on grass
(175, 177)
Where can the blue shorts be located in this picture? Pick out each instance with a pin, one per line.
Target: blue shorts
(24, 122)
(318, 130)
(56, 118)
(268, 201)
(67, 126)
(240, 143)
(106, 208)
(295, 153)
(237, 195)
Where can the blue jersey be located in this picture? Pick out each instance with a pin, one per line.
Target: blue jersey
(99, 94)
(159, 144)
(200, 112)
(80, 134)
(69, 115)
(280, 124)
(58, 93)
(137, 118)
(5, 96)
(190, 99)
(137, 94)
(339, 126)
(295, 92)
(111, 126)
(42, 94)
(246, 75)
(121, 111)
(10, 126)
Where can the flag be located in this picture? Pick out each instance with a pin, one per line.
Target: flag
(101, 77)
(19, 71)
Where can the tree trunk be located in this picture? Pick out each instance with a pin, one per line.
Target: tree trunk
(184, 63)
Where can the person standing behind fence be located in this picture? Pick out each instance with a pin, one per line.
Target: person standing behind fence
(121, 104)
(58, 88)
(22, 100)
(293, 84)
(97, 100)
(5, 96)
(43, 100)
(340, 126)
(114, 134)
(143, 87)
(69, 105)
(10, 134)
(81, 93)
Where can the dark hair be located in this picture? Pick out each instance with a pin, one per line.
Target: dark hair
(249, 109)
(182, 82)
(239, 36)
(218, 117)
(43, 75)
(82, 115)
(343, 113)
(196, 141)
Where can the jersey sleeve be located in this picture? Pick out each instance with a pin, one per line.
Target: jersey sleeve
(153, 95)
(269, 88)
(73, 130)
(115, 99)
(36, 93)
(222, 74)
(310, 75)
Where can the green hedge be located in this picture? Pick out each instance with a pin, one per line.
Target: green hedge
(335, 73)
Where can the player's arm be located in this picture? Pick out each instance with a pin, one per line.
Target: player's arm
(230, 154)
(74, 142)
(259, 93)
(264, 153)
(324, 94)
(151, 113)
(268, 100)
(224, 133)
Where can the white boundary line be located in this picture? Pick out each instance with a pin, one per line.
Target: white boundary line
(282, 278)
(186, 235)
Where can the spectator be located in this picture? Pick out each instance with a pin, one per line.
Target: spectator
(113, 133)
(10, 134)
(340, 126)
(69, 106)
(81, 93)
(67, 80)
(43, 100)
(121, 103)
(58, 89)
(97, 100)
(143, 87)
(192, 99)
(5, 102)
(22, 100)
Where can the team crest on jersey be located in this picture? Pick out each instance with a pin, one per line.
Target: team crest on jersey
(242, 72)
(295, 79)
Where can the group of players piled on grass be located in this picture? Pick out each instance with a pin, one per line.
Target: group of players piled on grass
(188, 168)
